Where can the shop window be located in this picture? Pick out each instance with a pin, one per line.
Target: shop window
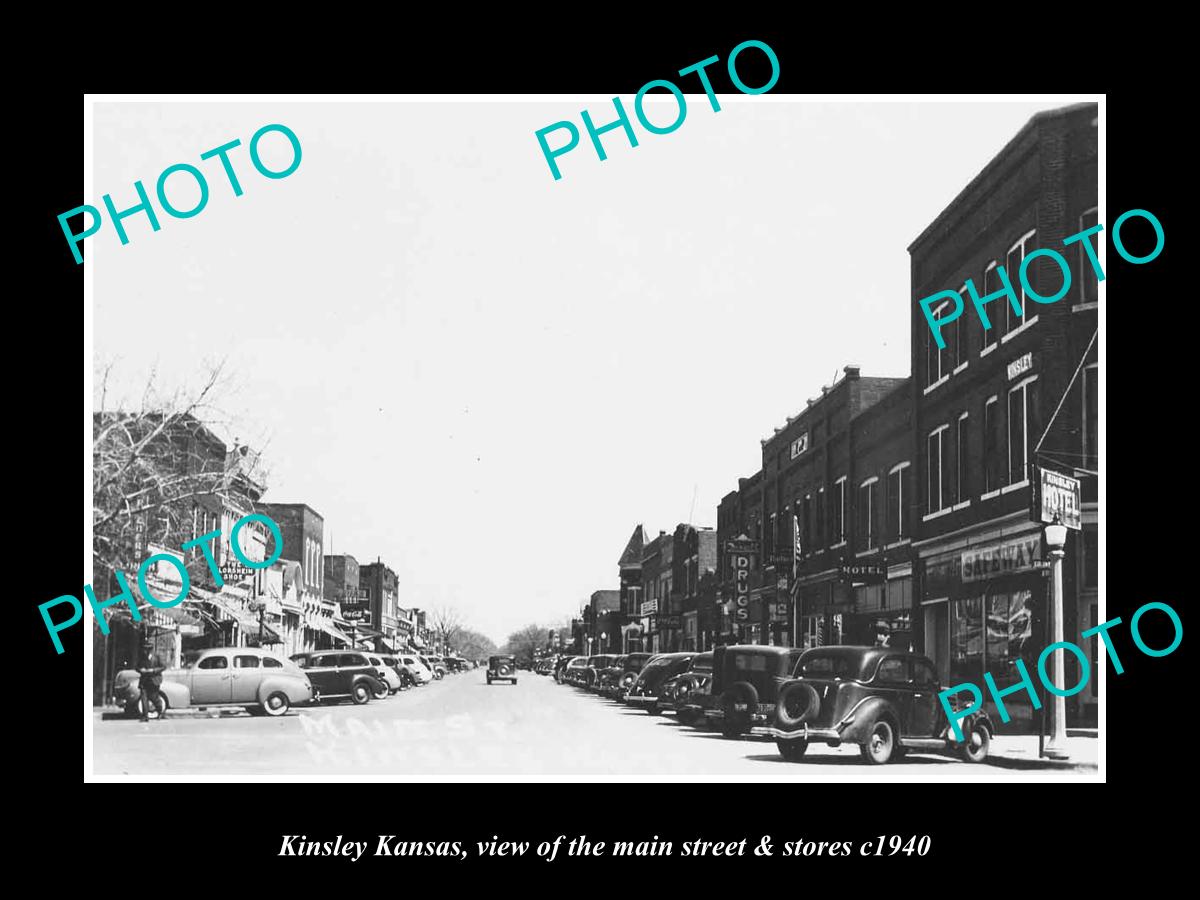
(966, 641)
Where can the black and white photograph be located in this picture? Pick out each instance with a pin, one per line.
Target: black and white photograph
(530, 438)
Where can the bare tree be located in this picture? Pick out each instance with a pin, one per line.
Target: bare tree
(155, 464)
(474, 645)
(447, 623)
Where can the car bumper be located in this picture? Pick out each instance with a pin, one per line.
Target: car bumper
(645, 699)
(817, 735)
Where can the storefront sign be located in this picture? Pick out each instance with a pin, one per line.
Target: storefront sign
(1020, 366)
(863, 573)
(1006, 558)
(356, 612)
(234, 572)
(740, 545)
(670, 622)
(1055, 495)
(779, 611)
(741, 599)
(649, 607)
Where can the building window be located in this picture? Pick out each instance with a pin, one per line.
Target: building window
(960, 460)
(991, 445)
(868, 504)
(897, 511)
(1089, 283)
(839, 510)
(935, 464)
(1016, 255)
(1021, 409)
(806, 524)
(991, 284)
(1091, 417)
(937, 360)
(956, 338)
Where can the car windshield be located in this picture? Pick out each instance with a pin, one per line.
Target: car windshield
(702, 663)
(189, 659)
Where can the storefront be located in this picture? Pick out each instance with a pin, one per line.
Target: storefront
(983, 606)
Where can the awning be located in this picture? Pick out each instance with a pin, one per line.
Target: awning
(265, 633)
(367, 631)
(388, 645)
(333, 631)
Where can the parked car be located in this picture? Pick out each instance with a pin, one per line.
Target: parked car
(649, 687)
(501, 668)
(573, 672)
(882, 699)
(387, 674)
(336, 674)
(596, 665)
(620, 677)
(417, 670)
(560, 667)
(401, 671)
(687, 694)
(258, 680)
(435, 665)
(745, 685)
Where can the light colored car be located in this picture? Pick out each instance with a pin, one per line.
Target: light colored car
(436, 665)
(387, 675)
(421, 673)
(258, 680)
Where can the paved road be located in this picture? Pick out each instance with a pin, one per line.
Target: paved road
(461, 726)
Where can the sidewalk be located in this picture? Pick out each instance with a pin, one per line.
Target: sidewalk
(1020, 751)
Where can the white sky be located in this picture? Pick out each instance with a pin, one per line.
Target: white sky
(488, 377)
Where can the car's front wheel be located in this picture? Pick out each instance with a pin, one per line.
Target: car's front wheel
(360, 695)
(880, 743)
(792, 751)
(276, 704)
(976, 743)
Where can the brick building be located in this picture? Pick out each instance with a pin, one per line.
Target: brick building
(694, 555)
(983, 403)
(380, 589)
(602, 620)
(316, 624)
(630, 593)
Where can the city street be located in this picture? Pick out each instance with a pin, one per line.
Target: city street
(461, 726)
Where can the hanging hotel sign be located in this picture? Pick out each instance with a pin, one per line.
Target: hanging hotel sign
(1055, 495)
(1020, 366)
(862, 573)
(1005, 558)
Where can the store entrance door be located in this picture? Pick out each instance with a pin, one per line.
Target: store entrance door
(937, 636)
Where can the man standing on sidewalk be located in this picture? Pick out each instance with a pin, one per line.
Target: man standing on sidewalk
(150, 667)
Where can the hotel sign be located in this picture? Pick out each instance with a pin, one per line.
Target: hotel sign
(799, 445)
(1005, 558)
(1020, 366)
(1055, 495)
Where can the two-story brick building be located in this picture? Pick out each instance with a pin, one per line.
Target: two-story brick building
(380, 586)
(992, 402)
(303, 531)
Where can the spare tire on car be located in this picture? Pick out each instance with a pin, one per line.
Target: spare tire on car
(738, 703)
(798, 703)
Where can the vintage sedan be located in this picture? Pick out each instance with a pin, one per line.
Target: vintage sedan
(595, 665)
(258, 680)
(687, 694)
(882, 699)
(502, 668)
(337, 674)
(647, 690)
(745, 685)
(572, 671)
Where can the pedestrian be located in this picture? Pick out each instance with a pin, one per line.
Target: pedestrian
(150, 668)
(883, 634)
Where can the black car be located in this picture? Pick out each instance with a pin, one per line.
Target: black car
(502, 668)
(686, 694)
(745, 685)
(647, 690)
(616, 680)
(341, 673)
(883, 699)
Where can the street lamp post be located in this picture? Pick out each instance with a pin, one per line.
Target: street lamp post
(1056, 747)
(603, 638)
